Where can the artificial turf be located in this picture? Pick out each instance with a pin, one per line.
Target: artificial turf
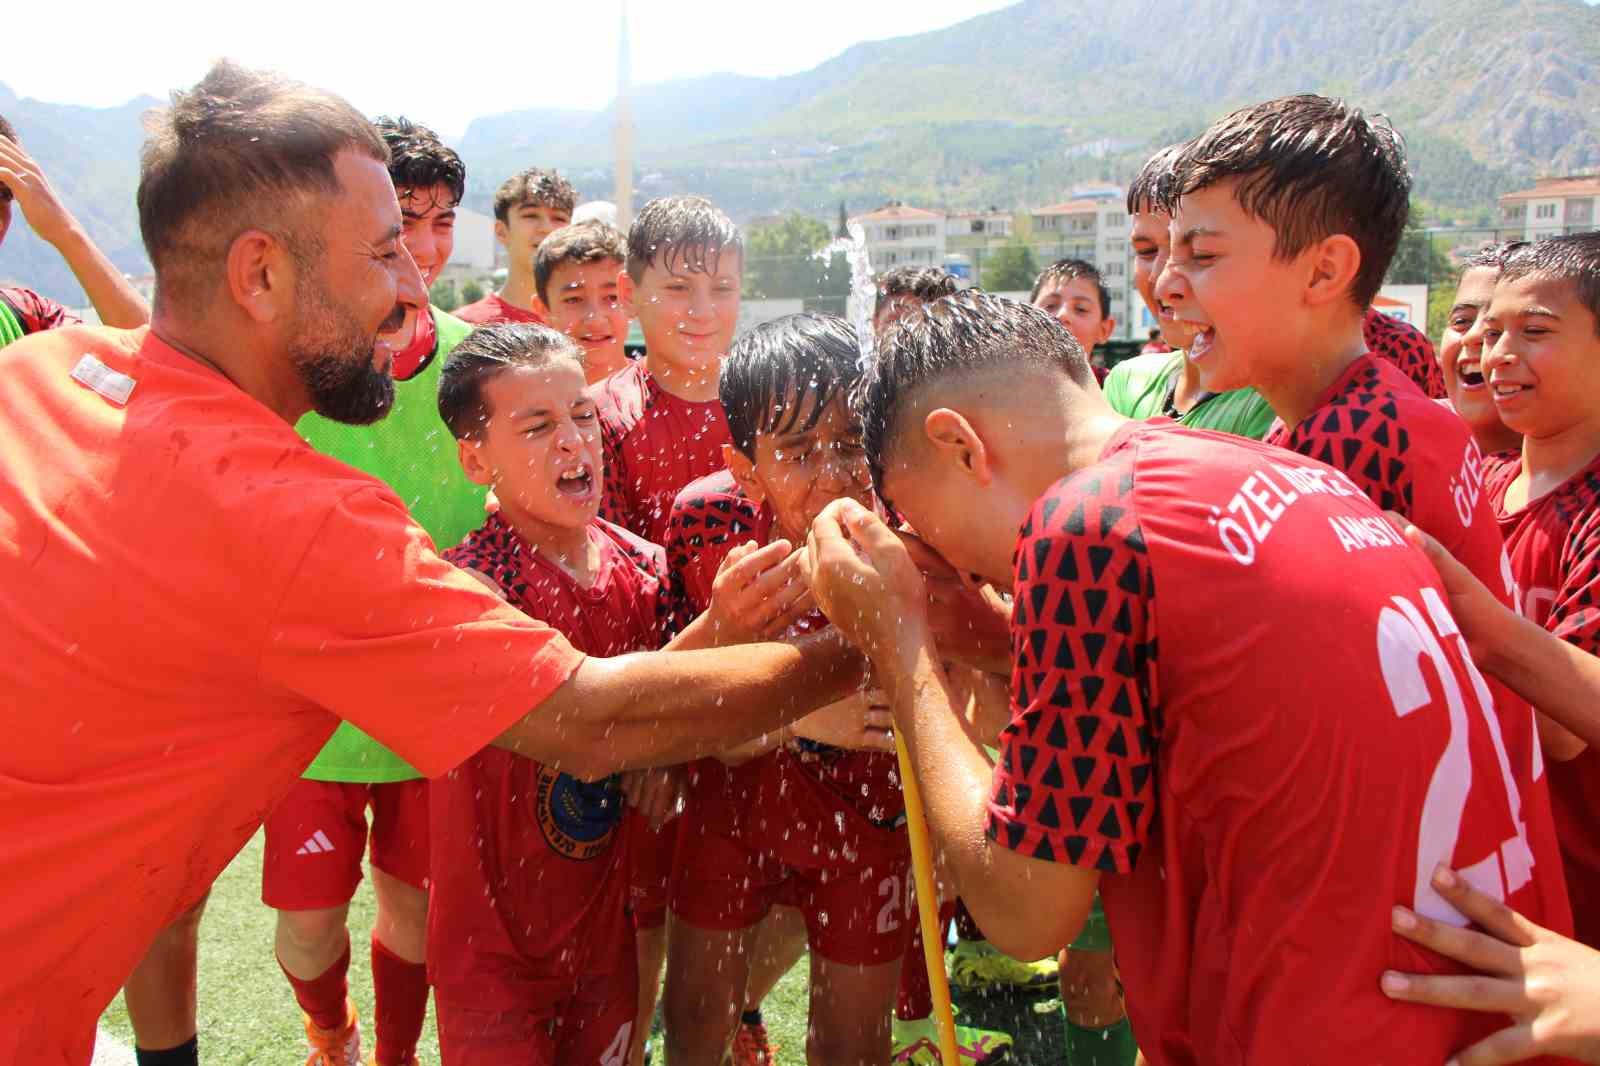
(248, 1016)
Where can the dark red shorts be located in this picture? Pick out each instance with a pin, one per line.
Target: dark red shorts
(795, 842)
(591, 1026)
(653, 855)
(315, 838)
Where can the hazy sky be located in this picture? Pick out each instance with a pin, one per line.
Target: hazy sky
(445, 63)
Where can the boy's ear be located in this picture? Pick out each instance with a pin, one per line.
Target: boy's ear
(956, 443)
(502, 232)
(626, 293)
(744, 472)
(1334, 261)
(473, 463)
(1108, 326)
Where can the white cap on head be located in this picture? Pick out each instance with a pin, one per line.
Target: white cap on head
(599, 210)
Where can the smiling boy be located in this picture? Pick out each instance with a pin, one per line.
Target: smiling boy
(528, 207)
(575, 273)
(1541, 344)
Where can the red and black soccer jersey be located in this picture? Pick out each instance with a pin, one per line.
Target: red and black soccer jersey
(655, 444)
(34, 313)
(529, 874)
(1554, 544)
(1407, 347)
(1259, 786)
(492, 310)
(708, 520)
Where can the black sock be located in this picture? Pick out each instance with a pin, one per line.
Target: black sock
(751, 1017)
(185, 1054)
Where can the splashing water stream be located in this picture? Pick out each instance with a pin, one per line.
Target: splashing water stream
(863, 296)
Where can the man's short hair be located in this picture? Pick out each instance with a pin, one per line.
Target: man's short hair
(486, 353)
(1064, 270)
(1494, 256)
(1573, 258)
(1310, 167)
(581, 242)
(680, 231)
(418, 159)
(780, 377)
(926, 284)
(952, 338)
(243, 149)
(8, 131)
(536, 187)
(1151, 188)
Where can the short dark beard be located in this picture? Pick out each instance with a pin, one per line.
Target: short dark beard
(333, 356)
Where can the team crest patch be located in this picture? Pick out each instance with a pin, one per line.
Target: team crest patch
(578, 818)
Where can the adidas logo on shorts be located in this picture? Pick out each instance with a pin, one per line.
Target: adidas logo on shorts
(316, 844)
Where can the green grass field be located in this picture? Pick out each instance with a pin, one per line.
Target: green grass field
(248, 1017)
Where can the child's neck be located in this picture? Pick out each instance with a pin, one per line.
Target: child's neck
(518, 290)
(693, 385)
(1496, 439)
(1548, 462)
(1295, 394)
(566, 547)
(1187, 391)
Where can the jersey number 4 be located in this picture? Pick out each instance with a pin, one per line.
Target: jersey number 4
(1405, 640)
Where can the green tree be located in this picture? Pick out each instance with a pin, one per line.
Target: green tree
(1011, 268)
(779, 260)
(1420, 260)
(471, 291)
(443, 295)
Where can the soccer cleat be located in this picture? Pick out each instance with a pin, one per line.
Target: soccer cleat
(336, 1047)
(917, 1044)
(751, 1046)
(976, 965)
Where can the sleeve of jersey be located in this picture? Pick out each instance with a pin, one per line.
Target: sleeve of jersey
(380, 631)
(1575, 615)
(40, 313)
(1074, 779)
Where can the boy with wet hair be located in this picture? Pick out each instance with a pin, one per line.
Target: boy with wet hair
(903, 288)
(1168, 384)
(1073, 293)
(1127, 765)
(794, 822)
(1541, 344)
(1461, 353)
(528, 207)
(575, 275)
(22, 311)
(311, 865)
(662, 427)
(1298, 204)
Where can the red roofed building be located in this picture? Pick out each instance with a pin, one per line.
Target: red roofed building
(1554, 206)
(898, 235)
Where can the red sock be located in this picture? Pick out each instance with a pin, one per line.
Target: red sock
(323, 998)
(400, 989)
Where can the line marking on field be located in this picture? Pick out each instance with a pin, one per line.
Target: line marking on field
(109, 1051)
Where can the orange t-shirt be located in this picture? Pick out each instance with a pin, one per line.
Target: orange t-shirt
(190, 599)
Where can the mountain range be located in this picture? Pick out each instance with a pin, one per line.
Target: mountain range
(1008, 108)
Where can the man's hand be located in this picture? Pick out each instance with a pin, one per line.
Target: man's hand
(657, 794)
(44, 212)
(970, 621)
(759, 592)
(1547, 984)
(865, 581)
(862, 722)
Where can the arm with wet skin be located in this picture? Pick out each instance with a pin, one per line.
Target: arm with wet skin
(869, 586)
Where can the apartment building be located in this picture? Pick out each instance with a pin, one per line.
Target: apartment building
(1093, 226)
(1555, 205)
(898, 235)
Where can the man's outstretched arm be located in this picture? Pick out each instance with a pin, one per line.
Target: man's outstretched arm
(665, 707)
(116, 301)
